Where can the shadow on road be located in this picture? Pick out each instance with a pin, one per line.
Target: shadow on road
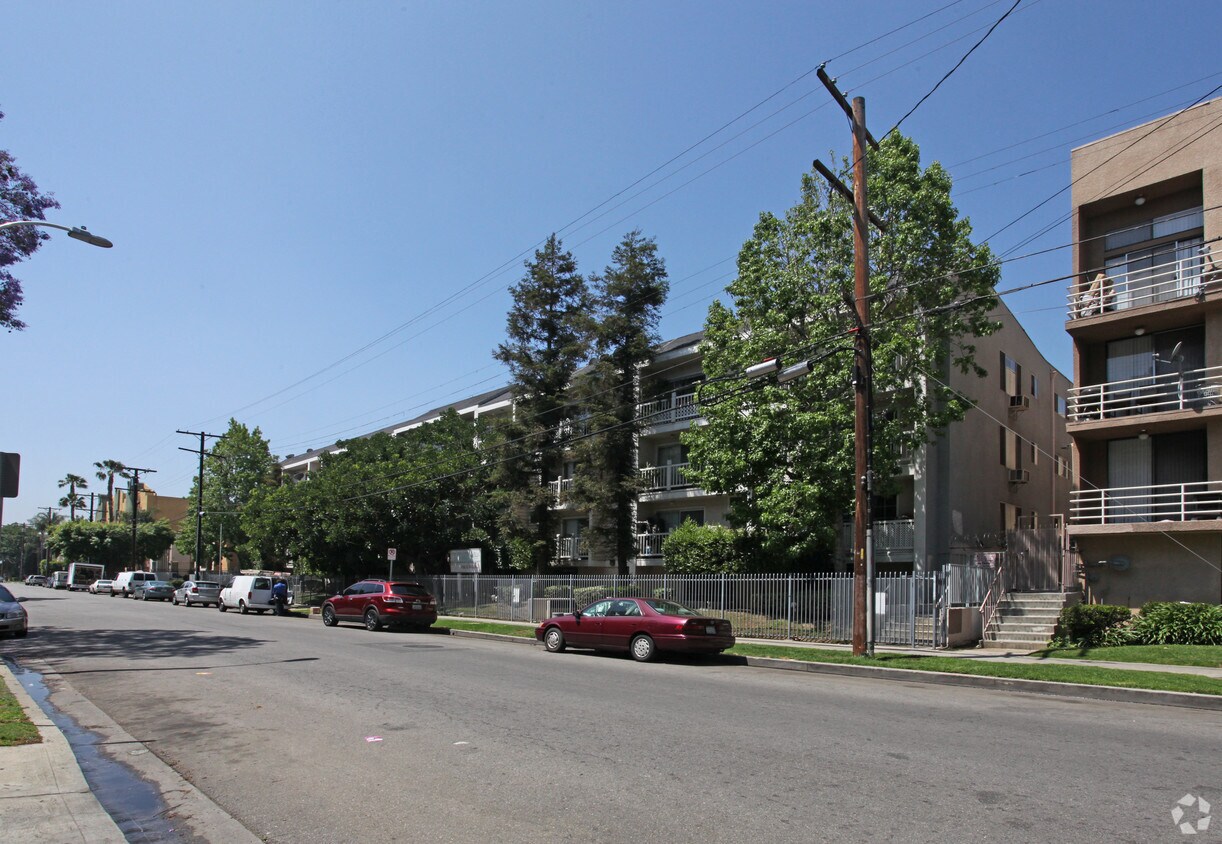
(141, 645)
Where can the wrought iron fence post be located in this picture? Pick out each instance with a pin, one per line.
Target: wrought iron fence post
(789, 609)
(723, 595)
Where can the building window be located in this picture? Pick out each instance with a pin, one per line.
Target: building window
(1011, 456)
(1035, 454)
(1010, 516)
(1035, 387)
(1165, 226)
(1062, 467)
(1011, 376)
(1062, 407)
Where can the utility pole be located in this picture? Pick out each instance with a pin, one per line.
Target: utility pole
(135, 499)
(199, 499)
(42, 537)
(863, 371)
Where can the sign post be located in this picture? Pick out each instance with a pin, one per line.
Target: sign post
(391, 553)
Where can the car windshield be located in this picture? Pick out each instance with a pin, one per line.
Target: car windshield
(6, 596)
(157, 583)
(206, 583)
(671, 608)
(409, 589)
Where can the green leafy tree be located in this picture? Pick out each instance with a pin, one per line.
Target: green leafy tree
(110, 543)
(785, 453)
(72, 500)
(628, 297)
(239, 464)
(19, 545)
(546, 342)
(108, 470)
(422, 492)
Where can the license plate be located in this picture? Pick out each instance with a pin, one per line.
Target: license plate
(417, 606)
(711, 630)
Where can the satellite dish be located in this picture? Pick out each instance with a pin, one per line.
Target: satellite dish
(1175, 352)
(1120, 562)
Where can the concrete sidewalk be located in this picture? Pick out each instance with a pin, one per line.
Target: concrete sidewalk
(43, 794)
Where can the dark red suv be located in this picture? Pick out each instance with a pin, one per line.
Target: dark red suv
(375, 603)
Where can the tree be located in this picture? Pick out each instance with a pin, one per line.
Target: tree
(546, 342)
(20, 199)
(786, 453)
(19, 545)
(72, 500)
(628, 297)
(422, 492)
(238, 465)
(108, 470)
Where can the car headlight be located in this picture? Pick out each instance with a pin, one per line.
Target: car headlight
(14, 614)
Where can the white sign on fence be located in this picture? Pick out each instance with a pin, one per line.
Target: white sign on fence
(466, 560)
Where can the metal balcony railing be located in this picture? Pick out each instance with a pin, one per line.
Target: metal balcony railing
(649, 544)
(572, 548)
(1164, 502)
(673, 407)
(890, 536)
(1190, 390)
(560, 488)
(671, 476)
(1177, 279)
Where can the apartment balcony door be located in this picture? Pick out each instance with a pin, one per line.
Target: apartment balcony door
(1159, 274)
(1136, 467)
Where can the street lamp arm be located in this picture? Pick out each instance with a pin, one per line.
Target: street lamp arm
(75, 232)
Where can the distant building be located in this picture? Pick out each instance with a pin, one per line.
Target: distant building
(1145, 316)
(173, 510)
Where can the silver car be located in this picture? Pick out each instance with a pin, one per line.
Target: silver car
(153, 590)
(198, 592)
(13, 618)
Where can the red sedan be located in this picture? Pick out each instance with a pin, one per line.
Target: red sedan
(641, 626)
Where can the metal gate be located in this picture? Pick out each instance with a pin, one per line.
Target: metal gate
(1033, 559)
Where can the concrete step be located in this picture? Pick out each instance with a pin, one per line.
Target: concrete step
(1029, 612)
(1010, 646)
(1006, 629)
(1032, 639)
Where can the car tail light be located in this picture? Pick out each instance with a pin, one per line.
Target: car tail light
(392, 599)
(194, 590)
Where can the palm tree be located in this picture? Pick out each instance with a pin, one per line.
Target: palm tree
(108, 470)
(72, 500)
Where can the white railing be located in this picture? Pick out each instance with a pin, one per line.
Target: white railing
(650, 544)
(1165, 502)
(1190, 390)
(560, 488)
(671, 476)
(1174, 280)
(673, 407)
(572, 548)
(890, 536)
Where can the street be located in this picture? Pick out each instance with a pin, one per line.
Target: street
(338, 734)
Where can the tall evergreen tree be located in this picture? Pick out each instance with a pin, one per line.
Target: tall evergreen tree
(628, 297)
(546, 342)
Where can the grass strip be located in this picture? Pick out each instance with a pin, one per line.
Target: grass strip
(1209, 656)
(1084, 674)
(15, 728)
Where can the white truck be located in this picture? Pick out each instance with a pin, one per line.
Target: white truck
(80, 575)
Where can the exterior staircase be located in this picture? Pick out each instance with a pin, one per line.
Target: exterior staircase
(1025, 621)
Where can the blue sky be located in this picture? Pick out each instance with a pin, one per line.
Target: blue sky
(318, 208)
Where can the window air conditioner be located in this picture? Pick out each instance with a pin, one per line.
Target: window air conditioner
(1020, 402)
(1019, 476)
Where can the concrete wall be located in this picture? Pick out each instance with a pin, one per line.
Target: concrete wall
(1176, 566)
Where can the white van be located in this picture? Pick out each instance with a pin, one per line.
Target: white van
(247, 592)
(59, 580)
(127, 580)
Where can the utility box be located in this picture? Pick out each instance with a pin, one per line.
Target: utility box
(544, 608)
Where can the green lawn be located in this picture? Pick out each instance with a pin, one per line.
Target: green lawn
(15, 728)
(1209, 656)
(1085, 674)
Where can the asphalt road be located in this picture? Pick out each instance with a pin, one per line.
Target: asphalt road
(495, 742)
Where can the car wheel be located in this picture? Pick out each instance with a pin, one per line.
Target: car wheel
(242, 608)
(642, 648)
(328, 616)
(220, 605)
(372, 622)
(174, 601)
(553, 640)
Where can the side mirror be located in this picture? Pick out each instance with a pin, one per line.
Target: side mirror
(21, 599)
(577, 614)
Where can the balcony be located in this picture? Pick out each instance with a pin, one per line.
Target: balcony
(1194, 389)
(893, 540)
(673, 407)
(560, 488)
(570, 548)
(661, 478)
(1177, 279)
(1164, 503)
(650, 544)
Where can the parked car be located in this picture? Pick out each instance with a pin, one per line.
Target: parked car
(641, 626)
(247, 592)
(198, 592)
(101, 587)
(13, 617)
(125, 584)
(153, 590)
(36, 580)
(376, 603)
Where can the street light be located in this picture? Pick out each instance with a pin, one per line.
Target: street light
(75, 232)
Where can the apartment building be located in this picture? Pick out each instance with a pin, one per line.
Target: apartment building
(1145, 317)
(1005, 465)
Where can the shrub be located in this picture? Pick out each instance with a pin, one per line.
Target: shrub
(555, 591)
(1087, 625)
(700, 549)
(585, 595)
(1164, 623)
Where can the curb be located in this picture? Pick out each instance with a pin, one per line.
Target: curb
(1188, 700)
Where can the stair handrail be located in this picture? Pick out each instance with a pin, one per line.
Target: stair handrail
(988, 607)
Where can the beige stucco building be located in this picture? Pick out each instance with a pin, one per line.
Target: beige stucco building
(1145, 317)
